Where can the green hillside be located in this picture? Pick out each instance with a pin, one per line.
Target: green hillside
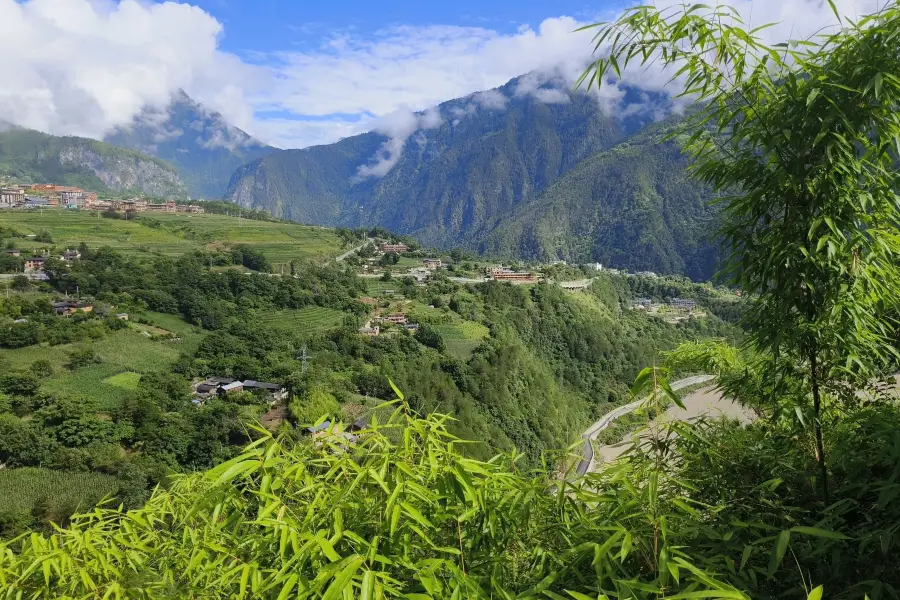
(515, 180)
(174, 234)
(632, 206)
(34, 157)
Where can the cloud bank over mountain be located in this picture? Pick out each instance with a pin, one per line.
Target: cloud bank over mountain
(86, 66)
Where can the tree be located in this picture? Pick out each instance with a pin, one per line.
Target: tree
(42, 367)
(801, 141)
(431, 337)
(21, 283)
(318, 402)
(82, 357)
(389, 259)
(19, 384)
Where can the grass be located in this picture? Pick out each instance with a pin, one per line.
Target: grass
(21, 489)
(461, 349)
(463, 330)
(174, 234)
(462, 338)
(304, 321)
(169, 322)
(376, 287)
(126, 352)
(127, 380)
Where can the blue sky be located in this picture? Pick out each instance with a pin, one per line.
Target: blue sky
(271, 25)
(296, 73)
(342, 67)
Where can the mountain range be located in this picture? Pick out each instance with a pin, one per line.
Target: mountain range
(528, 170)
(544, 173)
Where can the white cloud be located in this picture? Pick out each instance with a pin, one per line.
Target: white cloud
(490, 99)
(398, 126)
(418, 67)
(85, 66)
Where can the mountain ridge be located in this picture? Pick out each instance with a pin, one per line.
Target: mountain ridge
(37, 157)
(198, 142)
(464, 181)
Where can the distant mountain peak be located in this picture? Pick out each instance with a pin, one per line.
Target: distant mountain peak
(205, 148)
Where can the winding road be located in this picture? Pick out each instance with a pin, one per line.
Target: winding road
(589, 456)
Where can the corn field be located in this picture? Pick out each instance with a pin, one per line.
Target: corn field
(21, 489)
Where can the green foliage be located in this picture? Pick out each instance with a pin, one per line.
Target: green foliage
(36, 157)
(316, 403)
(431, 337)
(687, 513)
(802, 139)
(82, 357)
(42, 367)
(539, 181)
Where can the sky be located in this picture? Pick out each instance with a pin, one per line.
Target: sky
(296, 73)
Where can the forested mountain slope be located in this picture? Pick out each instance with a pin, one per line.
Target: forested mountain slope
(631, 206)
(35, 157)
(204, 148)
(490, 164)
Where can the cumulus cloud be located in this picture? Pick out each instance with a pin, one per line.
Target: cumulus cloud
(398, 126)
(490, 99)
(83, 67)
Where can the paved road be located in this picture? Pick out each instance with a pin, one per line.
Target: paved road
(351, 251)
(587, 459)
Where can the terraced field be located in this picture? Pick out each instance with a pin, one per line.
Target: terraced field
(462, 338)
(174, 234)
(305, 321)
(22, 489)
(124, 355)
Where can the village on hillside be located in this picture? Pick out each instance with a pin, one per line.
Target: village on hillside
(40, 195)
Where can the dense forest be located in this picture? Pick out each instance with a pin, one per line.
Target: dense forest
(547, 363)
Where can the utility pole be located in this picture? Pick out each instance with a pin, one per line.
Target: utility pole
(303, 358)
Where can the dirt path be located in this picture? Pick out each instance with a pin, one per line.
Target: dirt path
(706, 401)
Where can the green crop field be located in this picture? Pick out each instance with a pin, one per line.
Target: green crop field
(127, 380)
(127, 353)
(305, 321)
(462, 337)
(174, 234)
(21, 489)
(461, 349)
(376, 287)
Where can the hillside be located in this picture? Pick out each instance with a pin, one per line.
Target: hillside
(488, 166)
(35, 157)
(203, 147)
(630, 206)
(174, 234)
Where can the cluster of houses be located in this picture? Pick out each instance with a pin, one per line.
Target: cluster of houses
(396, 319)
(351, 435)
(67, 308)
(222, 386)
(683, 305)
(42, 195)
(35, 264)
(393, 248)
